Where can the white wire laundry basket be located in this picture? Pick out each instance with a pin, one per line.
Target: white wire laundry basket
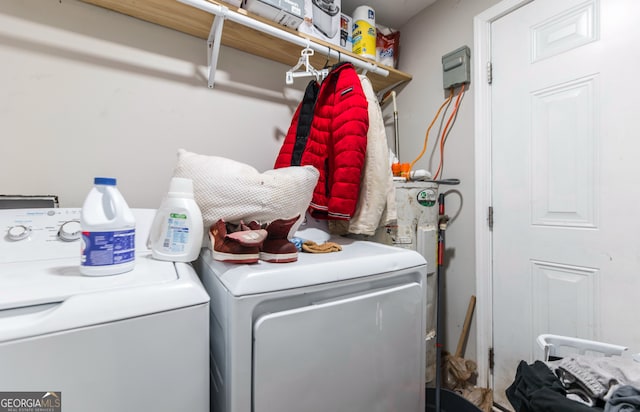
(557, 346)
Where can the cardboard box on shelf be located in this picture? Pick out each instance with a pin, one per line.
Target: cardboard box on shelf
(322, 20)
(288, 13)
(346, 30)
(236, 3)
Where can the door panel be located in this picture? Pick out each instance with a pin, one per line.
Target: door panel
(363, 353)
(563, 154)
(566, 255)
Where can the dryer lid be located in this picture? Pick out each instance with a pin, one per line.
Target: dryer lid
(356, 260)
(56, 280)
(49, 296)
(42, 290)
(44, 268)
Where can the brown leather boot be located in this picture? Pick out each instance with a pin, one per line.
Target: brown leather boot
(277, 248)
(235, 243)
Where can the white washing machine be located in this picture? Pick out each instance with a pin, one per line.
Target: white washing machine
(339, 331)
(137, 341)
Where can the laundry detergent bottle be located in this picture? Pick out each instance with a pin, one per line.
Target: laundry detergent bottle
(108, 231)
(177, 230)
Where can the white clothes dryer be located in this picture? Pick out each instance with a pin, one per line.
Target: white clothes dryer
(339, 331)
(136, 341)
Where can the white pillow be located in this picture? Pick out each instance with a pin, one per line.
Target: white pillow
(234, 191)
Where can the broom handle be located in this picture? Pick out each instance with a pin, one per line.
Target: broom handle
(465, 327)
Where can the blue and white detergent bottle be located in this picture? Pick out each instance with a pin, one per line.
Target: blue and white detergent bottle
(108, 231)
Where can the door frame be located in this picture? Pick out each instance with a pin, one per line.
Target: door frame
(483, 186)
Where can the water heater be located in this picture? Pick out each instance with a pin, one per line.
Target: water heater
(417, 229)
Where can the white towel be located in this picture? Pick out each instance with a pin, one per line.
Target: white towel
(599, 376)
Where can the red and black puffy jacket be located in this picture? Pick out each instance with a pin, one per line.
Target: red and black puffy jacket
(329, 132)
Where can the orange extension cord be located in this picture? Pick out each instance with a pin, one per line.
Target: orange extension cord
(444, 131)
(426, 137)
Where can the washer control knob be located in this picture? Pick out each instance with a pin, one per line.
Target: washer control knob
(18, 232)
(70, 231)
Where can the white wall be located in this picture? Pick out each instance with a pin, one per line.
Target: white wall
(438, 30)
(88, 92)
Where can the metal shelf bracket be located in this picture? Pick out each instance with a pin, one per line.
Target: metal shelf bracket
(213, 43)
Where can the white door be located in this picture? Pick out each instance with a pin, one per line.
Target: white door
(565, 177)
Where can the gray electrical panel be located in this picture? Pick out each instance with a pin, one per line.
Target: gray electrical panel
(456, 68)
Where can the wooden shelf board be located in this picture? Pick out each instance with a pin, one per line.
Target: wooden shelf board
(187, 19)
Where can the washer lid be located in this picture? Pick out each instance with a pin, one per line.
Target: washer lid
(52, 295)
(357, 259)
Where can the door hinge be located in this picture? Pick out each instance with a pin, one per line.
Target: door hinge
(489, 72)
(490, 218)
(491, 359)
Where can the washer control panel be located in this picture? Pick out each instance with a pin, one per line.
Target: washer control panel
(36, 234)
(42, 234)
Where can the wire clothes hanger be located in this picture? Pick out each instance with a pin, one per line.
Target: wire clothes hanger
(309, 70)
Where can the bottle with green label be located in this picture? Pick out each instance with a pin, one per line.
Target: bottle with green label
(176, 233)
